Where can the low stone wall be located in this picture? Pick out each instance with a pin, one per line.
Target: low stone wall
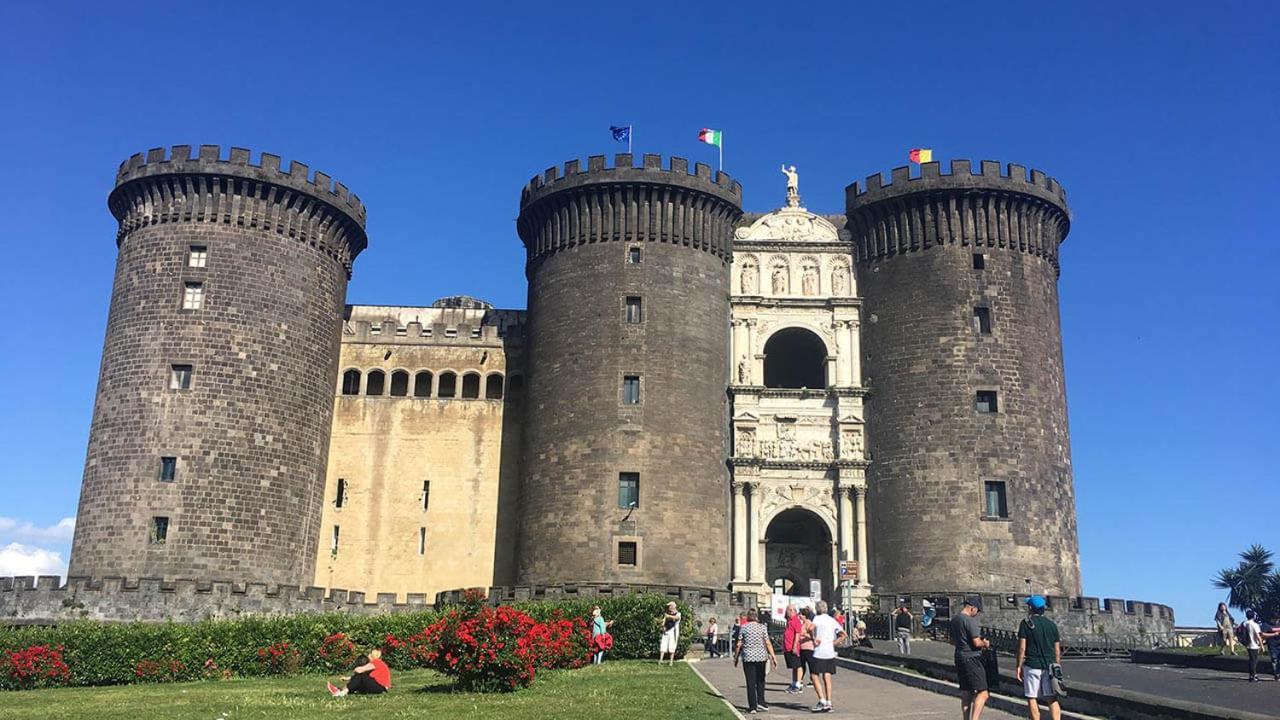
(707, 603)
(43, 600)
(1075, 616)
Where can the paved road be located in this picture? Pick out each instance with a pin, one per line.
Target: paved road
(1225, 689)
(857, 696)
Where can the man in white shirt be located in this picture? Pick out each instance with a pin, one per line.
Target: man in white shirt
(827, 634)
(1253, 633)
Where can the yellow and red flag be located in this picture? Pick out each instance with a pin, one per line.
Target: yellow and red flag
(920, 155)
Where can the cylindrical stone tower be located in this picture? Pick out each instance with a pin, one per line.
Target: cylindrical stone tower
(628, 272)
(970, 484)
(211, 425)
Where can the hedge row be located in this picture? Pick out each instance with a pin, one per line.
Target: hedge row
(97, 653)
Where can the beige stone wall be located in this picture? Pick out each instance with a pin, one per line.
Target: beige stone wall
(385, 447)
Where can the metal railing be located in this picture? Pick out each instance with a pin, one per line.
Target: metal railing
(1088, 646)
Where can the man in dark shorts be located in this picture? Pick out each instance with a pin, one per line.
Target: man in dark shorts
(966, 636)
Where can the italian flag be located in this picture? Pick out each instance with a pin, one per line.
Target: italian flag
(709, 136)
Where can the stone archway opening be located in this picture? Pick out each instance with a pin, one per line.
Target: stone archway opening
(798, 550)
(795, 358)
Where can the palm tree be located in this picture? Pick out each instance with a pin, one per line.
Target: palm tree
(1248, 584)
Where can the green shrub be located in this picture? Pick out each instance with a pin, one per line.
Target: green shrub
(637, 621)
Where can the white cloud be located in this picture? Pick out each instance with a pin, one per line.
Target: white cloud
(17, 559)
(14, 530)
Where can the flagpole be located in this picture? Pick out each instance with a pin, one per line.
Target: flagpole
(631, 130)
(720, 147)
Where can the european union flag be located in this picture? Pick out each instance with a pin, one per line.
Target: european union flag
(621, 134)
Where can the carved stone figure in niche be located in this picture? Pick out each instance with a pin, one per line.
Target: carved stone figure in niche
(824, 449)
(750, 278)
(779, 280)
(850, 444)
(840, 281)
(809, 280)
(746, 443)
(742, 372)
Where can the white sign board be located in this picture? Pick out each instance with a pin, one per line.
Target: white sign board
(780, 602)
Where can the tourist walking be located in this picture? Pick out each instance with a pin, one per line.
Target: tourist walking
(806, 646)
(1226, 629)
(712, 637)
(1039, 650)
(670, 634)
(966, 636)
(371, 676)
(827, 634)
(754, 649)
(1271, 633)
(902, 618)
(791, 649)
(601, 640)
(1252, 642)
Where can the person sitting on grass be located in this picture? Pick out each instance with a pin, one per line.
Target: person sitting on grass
(372, 677)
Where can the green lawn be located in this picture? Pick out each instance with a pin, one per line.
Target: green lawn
(614, 691)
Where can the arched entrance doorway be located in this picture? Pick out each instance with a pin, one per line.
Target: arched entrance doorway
(795, 358)
(798, 549)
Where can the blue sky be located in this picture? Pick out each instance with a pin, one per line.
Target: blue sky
(1160, 123)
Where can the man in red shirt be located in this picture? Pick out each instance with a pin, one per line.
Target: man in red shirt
(791, 649)
(372, 676)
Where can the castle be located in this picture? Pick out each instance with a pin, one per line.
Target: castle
(859, 406)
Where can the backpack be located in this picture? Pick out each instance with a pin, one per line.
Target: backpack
(1242, 633)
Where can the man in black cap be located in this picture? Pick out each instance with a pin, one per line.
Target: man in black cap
(966, 635)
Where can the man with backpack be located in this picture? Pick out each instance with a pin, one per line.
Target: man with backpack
(1249, 633)
(1039, 649)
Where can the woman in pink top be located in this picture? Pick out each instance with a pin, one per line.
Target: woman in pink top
(806, 641)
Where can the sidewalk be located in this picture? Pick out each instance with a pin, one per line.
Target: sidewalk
(1156, 683)
(857, 696)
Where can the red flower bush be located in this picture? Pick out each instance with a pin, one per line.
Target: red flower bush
(32, 667)
(279, 659)
(560, 643)
(159, 670)
(338, 653)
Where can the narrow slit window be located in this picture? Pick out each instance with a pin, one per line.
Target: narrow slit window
(631, 390)
(995, 499)
(426, 494)
(159, 530)
(634, 312)
(341, 496)
(985, 401)
(982, 320)
(168, 469)
(198, 256)
(192, 296)
(180, 377)
(627, 552)
(629, 490)
(422, 541)
(337, 532)
(633, 255)
(979, 261)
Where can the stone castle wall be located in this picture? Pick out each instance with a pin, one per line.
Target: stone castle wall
(925, 358)
(251, 433)
(580, 432)
(1075, 616)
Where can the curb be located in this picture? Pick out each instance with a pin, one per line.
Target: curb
(714, 691)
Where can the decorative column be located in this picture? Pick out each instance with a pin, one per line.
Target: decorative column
(846, 523)
(753, 531)
(739, 351)
(842, 361)
(861, 493)
(855, 354)
(739, 532)
(749, 352)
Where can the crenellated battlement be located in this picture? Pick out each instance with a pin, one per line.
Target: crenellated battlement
(1075, 615)
(44, 599)
(1014, 178)
(211, 160)
(624, 169)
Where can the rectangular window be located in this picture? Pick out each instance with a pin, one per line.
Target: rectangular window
(193, 296)
(995, 503)
(627, 553)
(979, 261)
(168, 469)
(336, 532)
(982, 320)
(985, 402)
(633, 255)
(426, 493)
(159, 530)
(633, 314)
(628, 490)
(199, 256)
(422, 541)
(631, 389)
(180, 377)
(341, 496)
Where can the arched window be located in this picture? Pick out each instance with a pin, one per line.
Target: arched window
(471, 385)
(448, 385)
(795, 358)
(376, 382)
(399, 383)
(351, 382)
(422, 384)
(493, 387)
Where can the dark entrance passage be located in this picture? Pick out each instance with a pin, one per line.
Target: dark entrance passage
(798, 549)
(795, 358)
